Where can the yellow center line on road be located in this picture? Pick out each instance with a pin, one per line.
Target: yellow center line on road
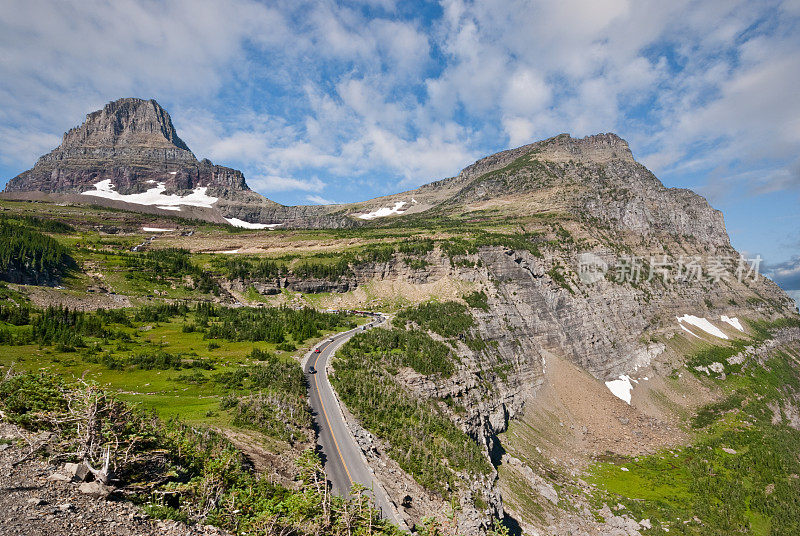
(325, 413)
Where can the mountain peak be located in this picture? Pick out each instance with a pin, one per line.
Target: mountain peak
(597, 148)
(126, 122)
(129, 153)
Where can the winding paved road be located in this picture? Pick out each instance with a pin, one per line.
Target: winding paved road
(344, 462)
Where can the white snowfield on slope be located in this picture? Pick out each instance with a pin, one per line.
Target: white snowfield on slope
(236, 222)
(385, 211)
(732, 321)
(703, 324)
(621, 388)
(154, 196)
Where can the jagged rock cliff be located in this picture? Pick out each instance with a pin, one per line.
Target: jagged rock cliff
(605, 328)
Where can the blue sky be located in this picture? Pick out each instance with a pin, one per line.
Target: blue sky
(324, 101)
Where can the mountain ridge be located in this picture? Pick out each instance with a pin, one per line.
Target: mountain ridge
(131, 147)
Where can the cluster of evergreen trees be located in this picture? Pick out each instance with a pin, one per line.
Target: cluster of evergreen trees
(171, 264)
(39, 224)
(236, 267)
(31, 257)
(65, 327)
(330, 266)
(270, 324)
(449, 319)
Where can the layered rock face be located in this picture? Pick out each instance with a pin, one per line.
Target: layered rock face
(132, 143)
(597, 176)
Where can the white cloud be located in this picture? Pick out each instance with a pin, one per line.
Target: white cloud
(319, 200)
(274, 183)
(404, 46)
(527, 92)
(20, 144)
(520, 130)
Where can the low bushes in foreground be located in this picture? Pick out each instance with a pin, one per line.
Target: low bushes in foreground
(202, 468)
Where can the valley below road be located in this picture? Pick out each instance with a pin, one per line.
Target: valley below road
(344, 463)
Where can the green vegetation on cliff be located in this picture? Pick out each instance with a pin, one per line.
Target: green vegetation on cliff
(448, 319)
(423, 439)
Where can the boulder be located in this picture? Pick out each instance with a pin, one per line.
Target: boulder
(58, 477)
(95, 489)
(78, 472)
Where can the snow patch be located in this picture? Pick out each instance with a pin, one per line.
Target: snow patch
(621, 388)
(703, 324)
(236, 222)
(165, 207)
(689, 331)
(383, 212)
(156, 229)
(154, 196)
(732, 321)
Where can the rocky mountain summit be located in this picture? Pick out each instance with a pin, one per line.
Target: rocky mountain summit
(133, 143)
(124, 152)
(596, 177)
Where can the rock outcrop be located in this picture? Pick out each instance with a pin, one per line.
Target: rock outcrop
(596, 176)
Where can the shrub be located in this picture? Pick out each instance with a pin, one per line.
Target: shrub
(203, 471)
(448, 319)
(477, 300)
(27, 399)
